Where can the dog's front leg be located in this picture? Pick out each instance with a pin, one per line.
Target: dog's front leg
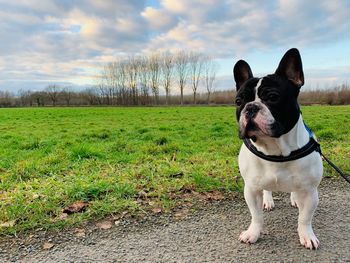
(307, 203)
(254, 199)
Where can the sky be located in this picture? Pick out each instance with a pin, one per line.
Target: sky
(67, 42)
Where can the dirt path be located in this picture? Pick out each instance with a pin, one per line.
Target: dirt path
(208, 235)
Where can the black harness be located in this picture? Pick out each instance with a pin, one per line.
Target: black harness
(308, 148)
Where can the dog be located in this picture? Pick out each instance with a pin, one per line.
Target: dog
(270, 121)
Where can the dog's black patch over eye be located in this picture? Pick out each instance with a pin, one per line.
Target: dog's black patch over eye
(273, 97)
(247, 93)
(270, 91)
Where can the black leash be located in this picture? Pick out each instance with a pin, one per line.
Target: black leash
(318, 149)
(340, 172)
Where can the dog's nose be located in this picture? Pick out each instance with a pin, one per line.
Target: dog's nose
(252, 109)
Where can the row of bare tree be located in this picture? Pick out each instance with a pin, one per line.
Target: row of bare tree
(139, 80)
(339, 95)
(55, 95)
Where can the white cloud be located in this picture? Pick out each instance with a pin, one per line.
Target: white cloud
(65, 40)
(158, 19)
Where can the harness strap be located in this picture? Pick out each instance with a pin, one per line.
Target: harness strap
(310, 147)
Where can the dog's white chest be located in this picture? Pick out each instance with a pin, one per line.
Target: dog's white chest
(287, 177)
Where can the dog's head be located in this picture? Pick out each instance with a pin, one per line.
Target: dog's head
(268, 106)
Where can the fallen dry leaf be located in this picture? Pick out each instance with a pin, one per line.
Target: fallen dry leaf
(124, 214)
(188, 188)
(214, 196)
(36, 196)
(104, 225)
(48, 245)
(63, 216)
(76, 207)
(8, 223)
(157, 210)
(79, 232)
(142, 195)
(151, 203)
(186, 204)
(181, 214)
(173, 196)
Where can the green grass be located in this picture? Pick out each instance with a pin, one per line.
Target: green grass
(51, 157)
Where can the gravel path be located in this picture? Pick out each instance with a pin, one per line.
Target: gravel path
(208, 235)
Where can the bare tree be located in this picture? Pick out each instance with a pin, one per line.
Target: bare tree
(131, 80)
(132, 68)
(52, 92)
(167, 74)
(154, 71)
(144, 78)
(103, 88)
(210, 69)
(6, 99)
(196, 62)
(39, 97)
(121, 71)
(25, 97)
(91, 96)
(110, 81)
(181, 69)
(67, 94)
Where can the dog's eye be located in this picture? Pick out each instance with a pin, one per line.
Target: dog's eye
(273, 97)
(238, 102)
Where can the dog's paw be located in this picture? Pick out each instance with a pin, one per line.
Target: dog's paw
(308, 239)
(268, 203)
(250, 236)
(293, 202)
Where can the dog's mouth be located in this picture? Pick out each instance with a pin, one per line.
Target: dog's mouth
(252, 130)
(249, 130)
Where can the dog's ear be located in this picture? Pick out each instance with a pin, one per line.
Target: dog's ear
(241, 72)
(291, 67)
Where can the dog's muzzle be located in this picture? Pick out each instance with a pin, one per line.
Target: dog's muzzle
(251, 110)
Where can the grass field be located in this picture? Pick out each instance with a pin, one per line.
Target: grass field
(52, 157)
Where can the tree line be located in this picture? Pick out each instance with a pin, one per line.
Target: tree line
(55, 95)
(139, 80)
(91, 97)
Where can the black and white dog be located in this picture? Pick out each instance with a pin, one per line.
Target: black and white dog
(270, 120)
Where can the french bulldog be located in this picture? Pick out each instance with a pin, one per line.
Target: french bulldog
(269, 117)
